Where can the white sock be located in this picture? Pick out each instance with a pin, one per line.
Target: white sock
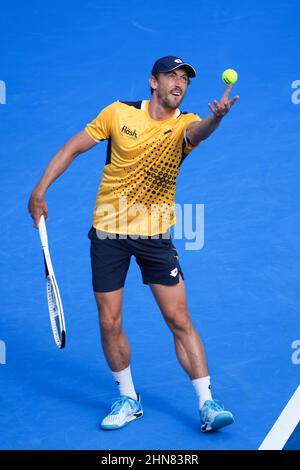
(125, 384)
(203, 390)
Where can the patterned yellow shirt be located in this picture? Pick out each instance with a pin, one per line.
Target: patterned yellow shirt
(136, 193)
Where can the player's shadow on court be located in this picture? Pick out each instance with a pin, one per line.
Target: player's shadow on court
(160, 403)
(187, 417)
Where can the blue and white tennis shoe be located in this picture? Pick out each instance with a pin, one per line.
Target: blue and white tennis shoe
(213, 416)
(124, 410)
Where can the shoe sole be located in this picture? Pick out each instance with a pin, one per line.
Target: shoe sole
(218, 423)
(112, 427)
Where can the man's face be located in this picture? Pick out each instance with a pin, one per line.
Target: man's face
(170, 87)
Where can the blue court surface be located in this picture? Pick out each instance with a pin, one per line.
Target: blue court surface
(62, 62)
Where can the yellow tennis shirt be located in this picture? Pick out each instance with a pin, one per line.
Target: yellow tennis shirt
(136, 193)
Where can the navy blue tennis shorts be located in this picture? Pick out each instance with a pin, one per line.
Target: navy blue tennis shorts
(110, 259)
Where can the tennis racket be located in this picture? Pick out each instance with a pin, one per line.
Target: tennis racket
(53, 296)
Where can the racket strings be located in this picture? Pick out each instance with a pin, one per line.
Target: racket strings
(54, 312)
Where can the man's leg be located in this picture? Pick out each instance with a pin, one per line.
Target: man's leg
(190, 352)
(117, 352)
(114, 341)
(188, 345)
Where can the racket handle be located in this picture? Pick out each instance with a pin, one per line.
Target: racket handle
(43, 232)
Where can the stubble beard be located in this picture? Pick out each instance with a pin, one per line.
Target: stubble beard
(168, 103)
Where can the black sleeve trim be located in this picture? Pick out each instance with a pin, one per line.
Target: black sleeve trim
(187, 112)
(135, 104)
(108, 152)
(183, 154)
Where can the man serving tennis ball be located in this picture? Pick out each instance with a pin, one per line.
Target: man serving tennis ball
(147, 142)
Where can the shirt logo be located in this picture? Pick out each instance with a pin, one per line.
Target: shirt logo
(128, 131)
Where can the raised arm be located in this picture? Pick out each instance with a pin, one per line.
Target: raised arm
(198, 131)
(78, 144)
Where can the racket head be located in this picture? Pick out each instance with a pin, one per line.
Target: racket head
(55, 312)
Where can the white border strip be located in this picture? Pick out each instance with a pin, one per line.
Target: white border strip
(284, 426)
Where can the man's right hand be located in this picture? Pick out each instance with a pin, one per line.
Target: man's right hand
(37, 207)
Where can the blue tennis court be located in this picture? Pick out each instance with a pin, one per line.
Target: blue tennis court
(61, 63)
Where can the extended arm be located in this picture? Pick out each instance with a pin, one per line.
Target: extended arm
(78, 144)
(198, 131)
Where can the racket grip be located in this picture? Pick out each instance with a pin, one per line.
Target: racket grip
(43, 231)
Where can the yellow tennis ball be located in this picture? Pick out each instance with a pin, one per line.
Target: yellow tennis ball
(229, 76)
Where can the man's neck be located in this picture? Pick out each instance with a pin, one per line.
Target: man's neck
(158, 112)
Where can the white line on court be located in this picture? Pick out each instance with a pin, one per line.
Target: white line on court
(284, 426)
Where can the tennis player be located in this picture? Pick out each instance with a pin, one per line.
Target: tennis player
(147, 142)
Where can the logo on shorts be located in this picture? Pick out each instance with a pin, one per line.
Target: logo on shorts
(174, 272)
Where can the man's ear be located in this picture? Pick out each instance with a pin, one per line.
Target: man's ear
(153, 82)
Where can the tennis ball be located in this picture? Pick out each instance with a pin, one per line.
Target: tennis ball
(229, 76)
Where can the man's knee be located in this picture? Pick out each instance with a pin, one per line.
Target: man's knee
(110, 316)
(110, 326)
(179, 320)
